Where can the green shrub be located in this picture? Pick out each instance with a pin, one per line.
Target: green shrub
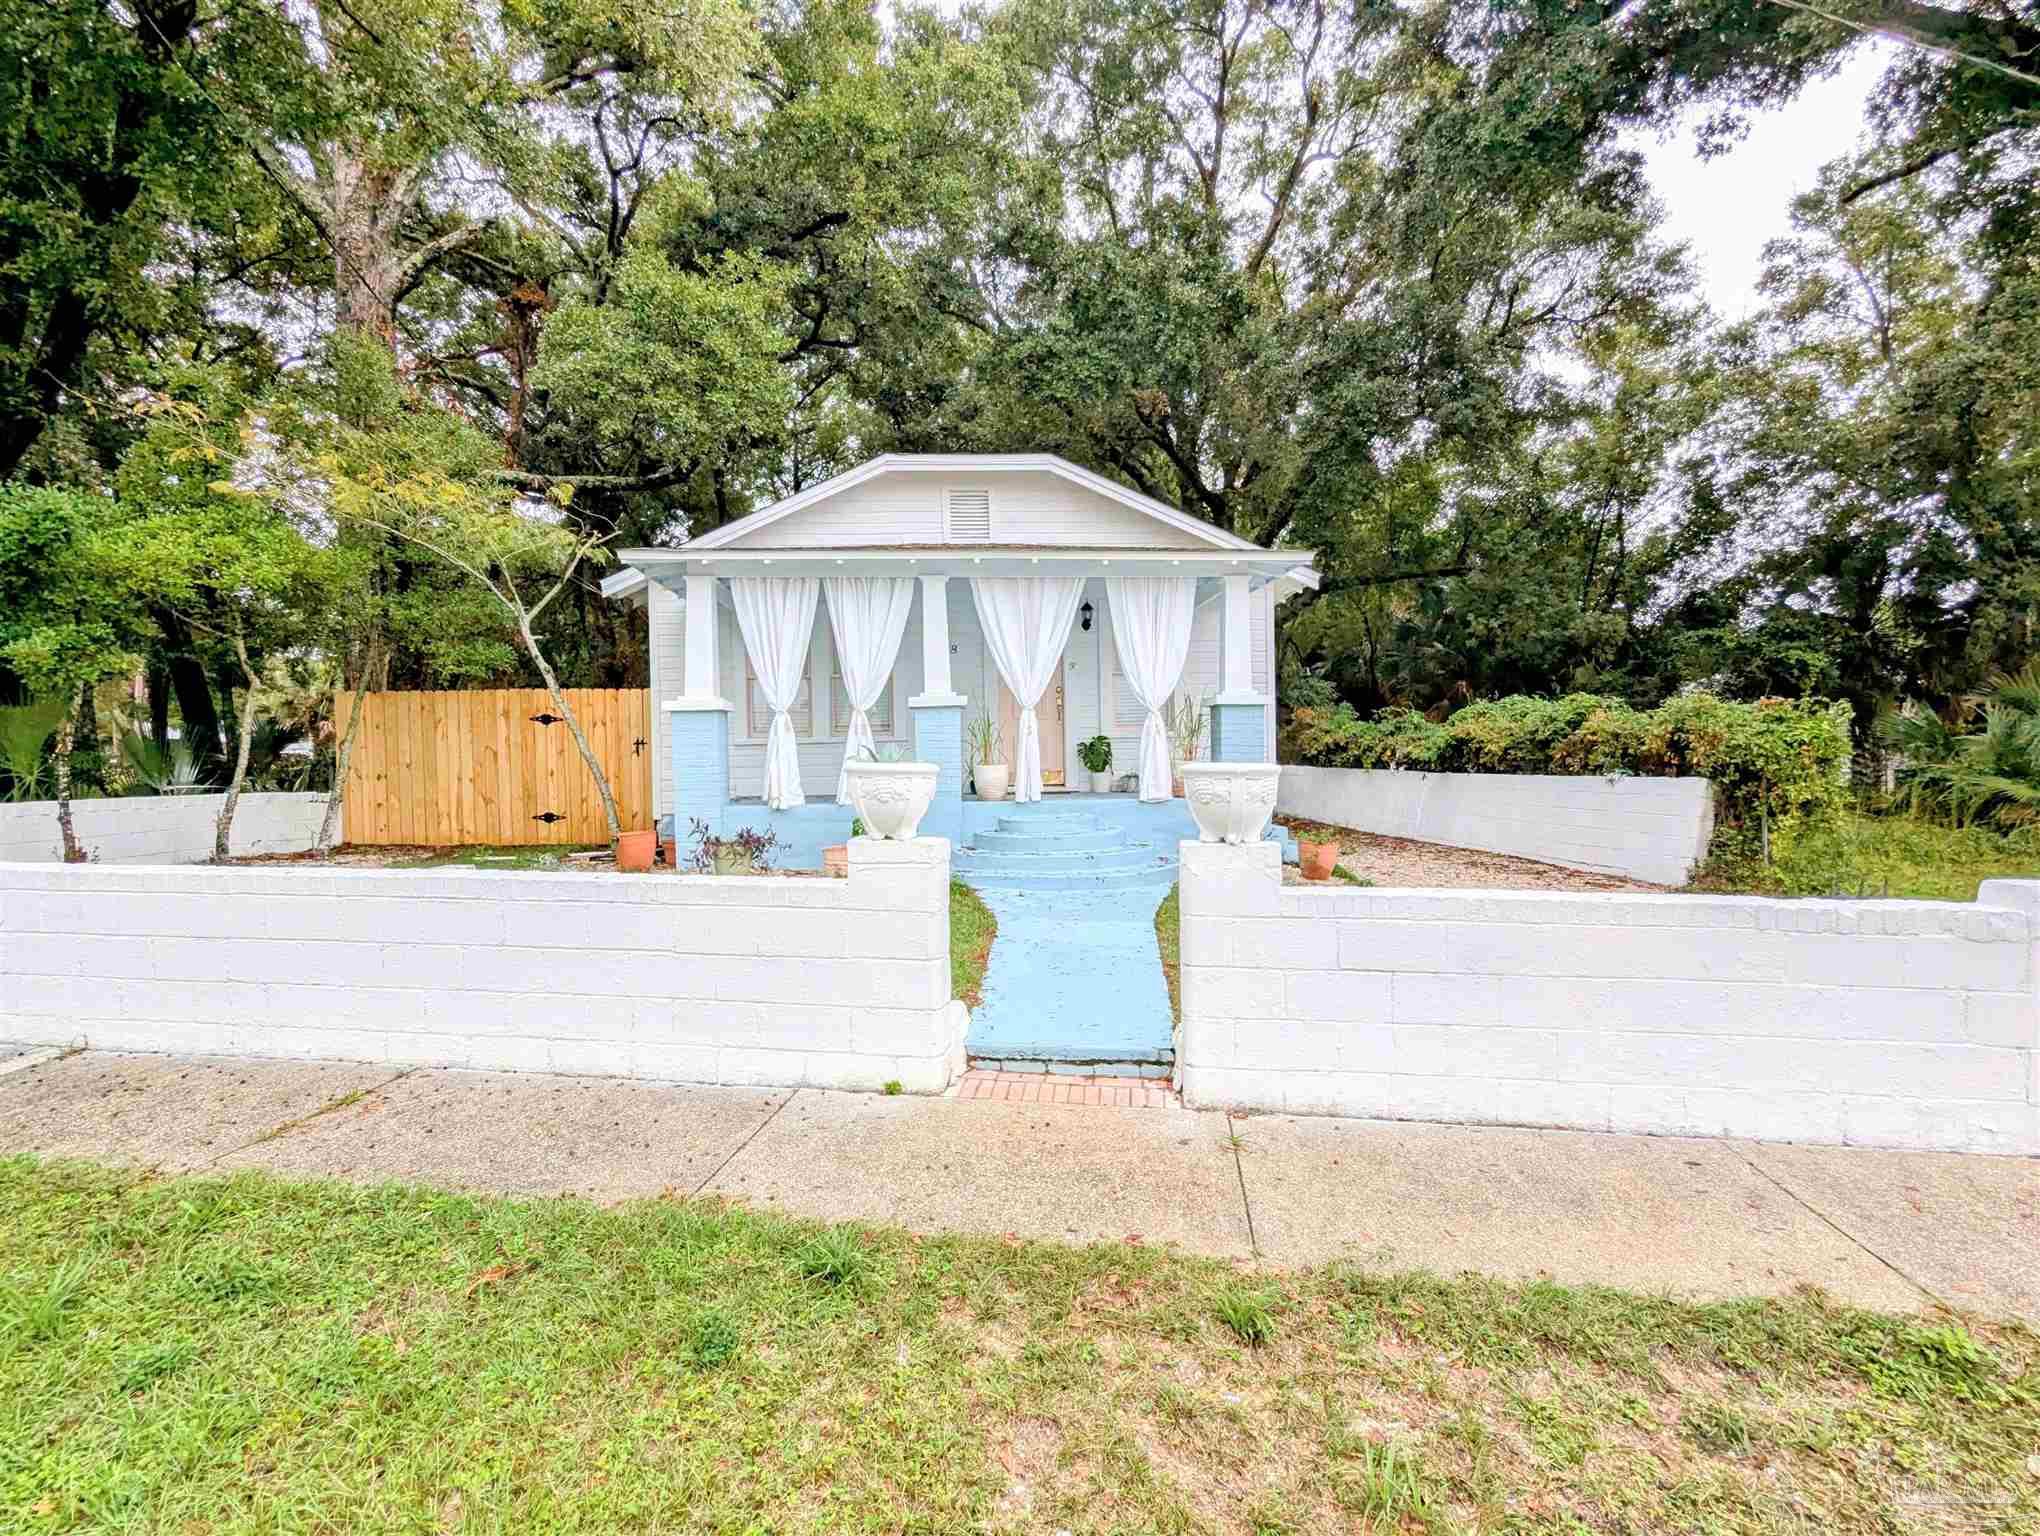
(1989, 776)
(1779, 766)
(1249, 1314)
(836, 1257)
(712, 1338)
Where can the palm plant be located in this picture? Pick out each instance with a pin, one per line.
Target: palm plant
(171, 771)
(24, 728)
(1991, 775)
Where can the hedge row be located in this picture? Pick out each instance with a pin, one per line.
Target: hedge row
(1779, 766)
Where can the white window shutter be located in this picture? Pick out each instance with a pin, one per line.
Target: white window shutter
(1128, 713)
(969, 517)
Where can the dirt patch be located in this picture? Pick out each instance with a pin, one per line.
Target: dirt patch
(418, 856)
(1401, 861)
(348, 856)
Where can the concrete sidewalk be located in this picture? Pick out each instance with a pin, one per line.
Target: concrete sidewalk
(1893, 1230)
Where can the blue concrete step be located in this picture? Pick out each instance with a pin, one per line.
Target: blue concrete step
(1115, 857)
(1051, 822)
(1062, 850)
(1161, 872)
(1029, 842)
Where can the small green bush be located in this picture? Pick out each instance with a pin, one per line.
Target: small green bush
(836, 1257)
(1779, 766)
(712, 1339)
(1249, 1314)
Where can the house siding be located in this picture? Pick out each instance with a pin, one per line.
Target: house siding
(1027, 508)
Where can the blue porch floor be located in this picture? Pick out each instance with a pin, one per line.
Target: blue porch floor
(806, 830)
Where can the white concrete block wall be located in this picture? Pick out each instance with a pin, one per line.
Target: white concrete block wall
(1645, 828)
(738, 979)
(1879, 1023)
(159, 829)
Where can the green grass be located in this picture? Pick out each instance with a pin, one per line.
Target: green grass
(245, 1354)
(1896, 854)
(971, 931)
(1169, 941)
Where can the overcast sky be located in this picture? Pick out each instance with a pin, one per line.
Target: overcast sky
(1726, 208)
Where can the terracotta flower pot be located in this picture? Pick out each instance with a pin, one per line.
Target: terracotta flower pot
(672, 854)
(1317, 859)
(836, 860)
(634, 851)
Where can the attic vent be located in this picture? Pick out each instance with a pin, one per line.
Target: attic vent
(970, 517)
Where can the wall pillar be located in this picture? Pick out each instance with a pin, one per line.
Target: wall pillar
(937, 712)
(1239, 715)
(699, 720)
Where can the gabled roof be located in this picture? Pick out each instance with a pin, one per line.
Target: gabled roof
(971, 464)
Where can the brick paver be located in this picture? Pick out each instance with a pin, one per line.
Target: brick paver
(1068, 1088)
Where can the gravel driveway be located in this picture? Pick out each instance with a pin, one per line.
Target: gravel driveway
(1401, 861)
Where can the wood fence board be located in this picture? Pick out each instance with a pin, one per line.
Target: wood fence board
(475, 766)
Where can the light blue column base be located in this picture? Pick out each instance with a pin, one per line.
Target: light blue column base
(938, 739)
(701, 767)
(1239, 733)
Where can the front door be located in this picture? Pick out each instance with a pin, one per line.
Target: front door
(1048, 716)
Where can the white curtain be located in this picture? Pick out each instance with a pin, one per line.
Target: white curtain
(1151, 630)
(777, 616)
(1026, 620)
(867, 615)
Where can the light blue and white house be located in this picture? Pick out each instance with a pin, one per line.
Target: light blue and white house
(889, 607)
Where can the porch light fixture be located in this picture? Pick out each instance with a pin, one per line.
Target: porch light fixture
(1085, 613)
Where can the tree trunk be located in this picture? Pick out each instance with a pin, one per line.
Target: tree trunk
(329, 826)
(66, 734)
(367, 207)
(159, 707)
(245, 738)
(195, 708)
(552, 687)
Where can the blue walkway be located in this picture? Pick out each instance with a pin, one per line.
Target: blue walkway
(1075, 978)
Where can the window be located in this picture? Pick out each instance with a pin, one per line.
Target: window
(969, 517)
(760, 712)
(839, 708)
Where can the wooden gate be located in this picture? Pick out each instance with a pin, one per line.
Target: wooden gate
(494, 766)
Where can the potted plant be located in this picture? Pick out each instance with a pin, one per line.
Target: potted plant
(990, 774)
(836, 857)
(891, 794)
(1316, 860)
(1096, 756)
(745, 851)
(1188, 719)
(634, 850)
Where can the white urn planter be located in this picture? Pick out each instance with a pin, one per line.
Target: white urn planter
(1232, 802)
(991, 780)
(891, 798)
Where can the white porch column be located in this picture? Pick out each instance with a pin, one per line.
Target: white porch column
(700, 719)
(936, 687)
(938, 715)
(1237, 644)
(702, 672)
(1239, 715)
